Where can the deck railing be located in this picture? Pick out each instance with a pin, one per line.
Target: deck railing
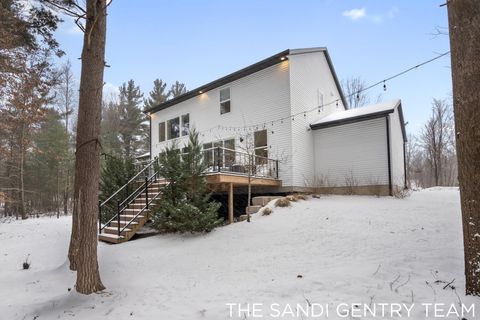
(226, 160)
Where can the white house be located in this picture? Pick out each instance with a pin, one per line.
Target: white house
(290, 110)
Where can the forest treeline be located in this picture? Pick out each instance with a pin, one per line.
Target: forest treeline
(38, 105)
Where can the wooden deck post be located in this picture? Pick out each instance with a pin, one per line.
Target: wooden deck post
(230, 203)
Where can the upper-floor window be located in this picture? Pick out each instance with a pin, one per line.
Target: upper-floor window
(173, 128)
(161, 131)
(225, 100)
(185, 124)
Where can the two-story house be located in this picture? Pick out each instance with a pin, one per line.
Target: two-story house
(289, 112)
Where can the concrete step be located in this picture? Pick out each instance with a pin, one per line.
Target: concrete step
(263, 200)
(252, 209)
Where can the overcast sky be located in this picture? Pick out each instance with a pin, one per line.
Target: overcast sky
(198, 41)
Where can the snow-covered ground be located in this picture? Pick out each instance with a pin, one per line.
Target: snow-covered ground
(335, 250)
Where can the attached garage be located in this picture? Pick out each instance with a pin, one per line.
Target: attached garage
(361, 150)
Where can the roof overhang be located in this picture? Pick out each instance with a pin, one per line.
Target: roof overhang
(365, 117)
(273, 60)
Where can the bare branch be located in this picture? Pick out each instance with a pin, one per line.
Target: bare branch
(66, 10)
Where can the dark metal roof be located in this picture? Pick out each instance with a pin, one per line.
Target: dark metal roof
(273, 60)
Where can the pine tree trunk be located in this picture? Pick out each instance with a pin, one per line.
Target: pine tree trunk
(464, 28)
(87, 164)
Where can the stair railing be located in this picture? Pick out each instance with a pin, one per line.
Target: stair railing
(148, 181)
(121, 205)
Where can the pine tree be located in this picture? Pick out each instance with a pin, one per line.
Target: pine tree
(206, 217)
(177, 89)
(131, 117)
(116, 172)
(158, 95)
(44, 168)
(185, 204)
(84, 239)
(110, 128)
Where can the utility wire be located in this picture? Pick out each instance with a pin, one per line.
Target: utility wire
(319, 108)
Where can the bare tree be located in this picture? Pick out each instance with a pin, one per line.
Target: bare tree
(66, 99)
(464, 28)
(437, 140)
(249, 149)
(356, 97)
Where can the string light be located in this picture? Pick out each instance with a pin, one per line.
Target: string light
(336, 101)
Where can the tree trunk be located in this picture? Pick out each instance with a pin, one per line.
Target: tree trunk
(464, 27)
(23, 213)
(249, 191)
(57, 197)
(87, 160)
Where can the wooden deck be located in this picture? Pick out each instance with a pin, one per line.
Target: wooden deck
(241, 180)
(228, 181)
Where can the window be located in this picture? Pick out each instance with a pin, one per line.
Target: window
(225, 100)
(226, 158)
(161, 131)
(261, 148)
(173, 128)
(230, 152)
(185, 124)
(208, 154)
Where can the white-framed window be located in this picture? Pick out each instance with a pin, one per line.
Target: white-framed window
(186, 124)
(161, 131)
(225, 103)
(227, 153)
(173, 128)
(261, 147)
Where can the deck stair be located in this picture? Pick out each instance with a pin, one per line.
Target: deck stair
(131, 212)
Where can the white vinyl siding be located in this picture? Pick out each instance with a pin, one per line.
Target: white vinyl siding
(257, 98)
(396, 147)
(357, 149)
(311, 84)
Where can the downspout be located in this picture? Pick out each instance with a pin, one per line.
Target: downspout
(390, 189)
(405, 164)
(151, 136)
